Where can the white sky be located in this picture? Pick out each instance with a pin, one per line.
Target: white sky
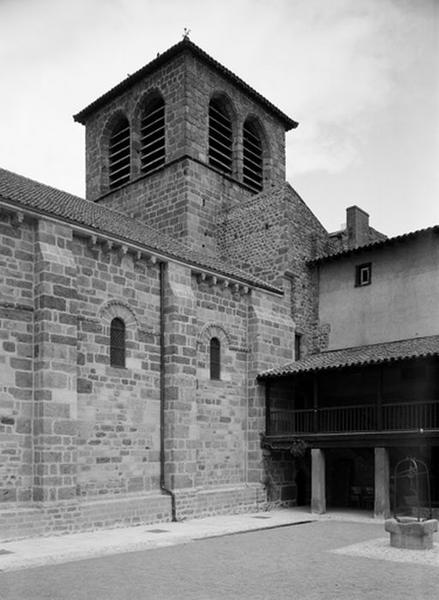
(361, 77)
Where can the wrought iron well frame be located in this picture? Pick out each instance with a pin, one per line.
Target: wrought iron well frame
(413, 470)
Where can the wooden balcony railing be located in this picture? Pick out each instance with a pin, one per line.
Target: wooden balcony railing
(417, 415)
(357, 418)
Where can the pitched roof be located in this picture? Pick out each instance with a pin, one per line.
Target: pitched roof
(378, 243)
(359, 356)
(45, 200)
(184, 45)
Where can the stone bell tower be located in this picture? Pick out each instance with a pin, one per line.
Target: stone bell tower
(180, 142)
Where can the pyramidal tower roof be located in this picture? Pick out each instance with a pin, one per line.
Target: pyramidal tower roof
(188, 46)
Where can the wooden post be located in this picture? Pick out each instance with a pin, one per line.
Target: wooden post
(382, 483)
(267, 408)
(315, 394)
(379, 404)
(318, 481)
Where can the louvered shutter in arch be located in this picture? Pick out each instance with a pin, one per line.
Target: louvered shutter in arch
(152, 135)
(252, 157)
(119, 153)
(220, 137)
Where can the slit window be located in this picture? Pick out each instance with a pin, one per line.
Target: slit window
(119, 154)
(363, 274)
(252, 158)
(117, 343)
(220, 137)
(215, 358)
(152, 135)
(297, 346)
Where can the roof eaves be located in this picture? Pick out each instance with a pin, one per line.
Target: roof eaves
(161, 59)
(220, 270)
(373, 245)
(360, 363)
(301, 367)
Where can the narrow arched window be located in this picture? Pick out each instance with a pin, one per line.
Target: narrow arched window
(220, 137)
(119, 153)
(152, 135)
(215, 358)
(117, 343)
(252, 157)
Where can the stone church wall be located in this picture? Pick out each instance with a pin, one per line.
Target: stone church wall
(270, 342)
(221, 404)
(273, 236)
(118, 409)
(80, 440)
(205, 419)
(220, 467)
(16, 359)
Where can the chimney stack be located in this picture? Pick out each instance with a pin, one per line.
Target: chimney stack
(357, 224)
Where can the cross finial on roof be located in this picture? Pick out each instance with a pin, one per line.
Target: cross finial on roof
(186, 33)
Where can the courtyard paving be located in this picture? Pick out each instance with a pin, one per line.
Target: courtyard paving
(281, 555)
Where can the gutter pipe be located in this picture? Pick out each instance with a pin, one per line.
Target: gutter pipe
(163, 487)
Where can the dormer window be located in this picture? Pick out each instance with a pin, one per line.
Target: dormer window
(252, 158)
(220, 137)
(119, 153)
(152, 135)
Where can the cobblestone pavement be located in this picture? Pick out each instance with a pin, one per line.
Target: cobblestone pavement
(293, 562)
